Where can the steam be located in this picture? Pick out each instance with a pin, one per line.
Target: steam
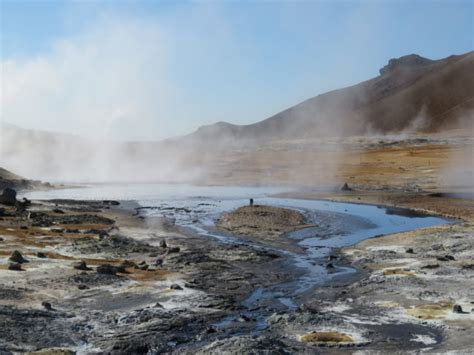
(108, 82)
(458, 173)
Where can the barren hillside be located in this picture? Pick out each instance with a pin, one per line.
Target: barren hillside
(411, 94)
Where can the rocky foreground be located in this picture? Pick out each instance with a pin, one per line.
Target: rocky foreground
(97, 277)
(91, 277)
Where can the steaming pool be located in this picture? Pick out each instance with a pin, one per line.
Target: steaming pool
(197, 208)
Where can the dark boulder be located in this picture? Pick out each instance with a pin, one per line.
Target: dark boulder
(173, 250)
(8, 197)
(457, 309)
(41, 255)
(108, 269)
(446, 258)
(15, 267)
(17, 257)
(47, 305)
(158, 262)
(176, 287)
(81, 265)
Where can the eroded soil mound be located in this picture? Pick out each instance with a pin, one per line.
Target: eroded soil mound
(261, 221)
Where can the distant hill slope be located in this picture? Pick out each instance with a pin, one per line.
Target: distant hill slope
(9, 179)
(412, 94)
(8, 175)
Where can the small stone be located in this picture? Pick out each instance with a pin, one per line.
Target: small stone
(430, 266)
(174, 250)
(81, 265)
(128, 263)
(211, 330)
(457, 309)
(17, 257)
(83, 287)
(176, 287)
(410, 251)
(106, 269)
(47, 305)
(244, 318)
(446, 258)
(330, 266)
(41, 255)
(163, 244)
(158, 262)
(15, 267)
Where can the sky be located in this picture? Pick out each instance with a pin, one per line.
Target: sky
(148, 70)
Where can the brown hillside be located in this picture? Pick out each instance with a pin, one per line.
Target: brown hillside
(411, 94)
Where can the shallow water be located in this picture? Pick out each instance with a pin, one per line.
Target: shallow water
(337, 225)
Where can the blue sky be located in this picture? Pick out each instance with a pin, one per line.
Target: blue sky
(155, 69)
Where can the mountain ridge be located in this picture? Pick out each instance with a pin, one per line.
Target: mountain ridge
(352, 104)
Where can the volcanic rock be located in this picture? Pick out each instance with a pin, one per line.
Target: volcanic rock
(81, 265)
(15, 267)
(8, 197)
(47, 305)
(108, 269)
(17, 257)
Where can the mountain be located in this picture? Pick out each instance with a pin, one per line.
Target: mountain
(411, 94)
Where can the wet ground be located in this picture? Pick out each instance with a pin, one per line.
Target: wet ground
(188, 287)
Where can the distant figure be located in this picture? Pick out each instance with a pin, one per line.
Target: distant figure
(346, 187)
(251, 202)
